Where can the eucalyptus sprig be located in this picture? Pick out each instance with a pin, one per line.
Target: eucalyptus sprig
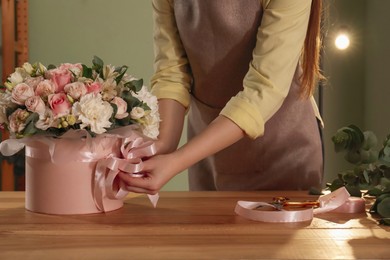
(370, 171)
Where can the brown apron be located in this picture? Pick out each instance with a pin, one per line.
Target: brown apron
(219, 37)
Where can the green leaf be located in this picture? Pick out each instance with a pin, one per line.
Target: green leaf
(145, 106)
(97, 63)
(315, 191)
(358, 134)
(353, 157)
(115, 108)
(374, 192)
(122, 71)
(340, 140)
(365, 174)
(30, 128)
(385, 221)
(353, 190)
(381, 197)
(87, 72)
(384, 208)
(386, 172)
(130, 100)
(51, 66)
(336, 183)
(125, 121)
(135, 85)
(350, 178)
(370, 140)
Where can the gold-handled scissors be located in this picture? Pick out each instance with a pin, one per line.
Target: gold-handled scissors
(280, 202)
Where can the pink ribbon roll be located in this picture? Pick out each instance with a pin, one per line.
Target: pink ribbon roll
(336, 201)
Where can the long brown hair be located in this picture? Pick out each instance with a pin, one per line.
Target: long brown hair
(311, 51)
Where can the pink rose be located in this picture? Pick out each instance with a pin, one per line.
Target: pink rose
(21, 92)
(35, 104)
(59, 104)
(94, 87)
(17, 120)
(33, 81)
(45, 88)
(76, 68)
(121, 107)
(75, 89)
(60, 77)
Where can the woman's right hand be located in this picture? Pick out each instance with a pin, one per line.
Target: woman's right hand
(157, 171)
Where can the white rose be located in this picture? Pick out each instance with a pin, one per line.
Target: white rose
(137, 113)
(76, 90)
(21, 92)
(35, 104)
(45, 88)
(93, 112)
(28, 68)
(150, 125)
(15, 78)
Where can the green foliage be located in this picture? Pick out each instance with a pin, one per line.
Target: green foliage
(371, 169)
(135, 85)
(87, 72)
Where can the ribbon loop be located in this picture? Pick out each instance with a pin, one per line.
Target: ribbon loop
(121, 149)
(133, 149)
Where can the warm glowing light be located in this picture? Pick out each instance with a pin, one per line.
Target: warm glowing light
(342, 41)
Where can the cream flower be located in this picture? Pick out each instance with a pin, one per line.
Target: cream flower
(109, 89)
(21, 92)
(46, 120)
(17, 120)
(137, 113)
(76, 89)
(16, 78)
(151, 122)
(109, 72)
(93, 112)
(28, 68)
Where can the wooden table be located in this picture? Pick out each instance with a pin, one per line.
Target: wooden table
(186, 225)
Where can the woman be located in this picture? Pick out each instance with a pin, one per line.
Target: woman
(245, 71)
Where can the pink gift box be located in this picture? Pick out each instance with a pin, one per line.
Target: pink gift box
(61, 179)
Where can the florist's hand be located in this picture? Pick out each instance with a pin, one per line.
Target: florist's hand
(157, 170)
(161, 147)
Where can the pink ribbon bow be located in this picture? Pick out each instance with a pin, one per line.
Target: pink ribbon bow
(132, 152)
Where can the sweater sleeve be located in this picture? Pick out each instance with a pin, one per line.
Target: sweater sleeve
(171, 78)
(280, 40)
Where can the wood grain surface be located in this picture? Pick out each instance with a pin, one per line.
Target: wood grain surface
(187, 225)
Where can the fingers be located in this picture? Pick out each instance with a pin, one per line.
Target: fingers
(140, 190)
(138, 184)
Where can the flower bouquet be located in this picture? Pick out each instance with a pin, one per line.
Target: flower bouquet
(80, 125)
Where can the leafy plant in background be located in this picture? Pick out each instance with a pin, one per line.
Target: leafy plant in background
(371, 172)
